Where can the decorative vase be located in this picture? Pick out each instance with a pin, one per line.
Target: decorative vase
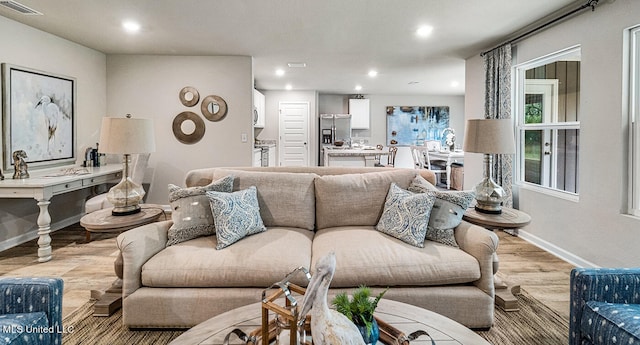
(370, 337)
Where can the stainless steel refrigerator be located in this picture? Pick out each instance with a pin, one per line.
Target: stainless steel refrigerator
(333, 127)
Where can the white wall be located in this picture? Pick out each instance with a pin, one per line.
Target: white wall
(27, 47)
(474, 105)
(147, 86)
(594, 229)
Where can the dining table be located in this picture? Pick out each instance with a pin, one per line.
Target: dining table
(449, 157)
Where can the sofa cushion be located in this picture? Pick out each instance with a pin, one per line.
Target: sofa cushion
(406, 215)
(256, 261)
(611, 323)
(285, 199)
(191, 210)
(25, 329)
(236, 215)
(355, 199)
(447, 211)
(367, 256)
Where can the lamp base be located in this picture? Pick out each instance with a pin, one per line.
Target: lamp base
(127, 195)
(125, 211)
(482, 210)
(489, 194)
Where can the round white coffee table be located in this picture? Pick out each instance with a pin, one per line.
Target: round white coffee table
(404, 317)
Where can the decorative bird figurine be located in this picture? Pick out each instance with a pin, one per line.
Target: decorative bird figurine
(51, 115)
(328, 327)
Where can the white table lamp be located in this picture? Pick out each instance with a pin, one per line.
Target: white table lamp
(489, 136)
(126, 136)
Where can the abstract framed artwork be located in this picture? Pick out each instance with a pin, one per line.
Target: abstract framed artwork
(38, 117)
(413, 125)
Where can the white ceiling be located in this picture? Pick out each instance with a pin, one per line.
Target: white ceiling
(339, 40)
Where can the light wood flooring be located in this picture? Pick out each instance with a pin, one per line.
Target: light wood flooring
(87, 266)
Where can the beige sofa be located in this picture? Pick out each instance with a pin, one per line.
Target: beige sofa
(308, 212)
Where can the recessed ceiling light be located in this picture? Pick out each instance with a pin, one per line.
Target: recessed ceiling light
(424, 31)
(358, 87)
(279, 72)
(131, 26)
(297, 64)
(372, 73)
(413, 82)
(288, 87)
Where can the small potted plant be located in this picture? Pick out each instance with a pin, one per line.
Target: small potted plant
(359, 309)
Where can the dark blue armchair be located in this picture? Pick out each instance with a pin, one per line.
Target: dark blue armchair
(31, 311)
(605, 306)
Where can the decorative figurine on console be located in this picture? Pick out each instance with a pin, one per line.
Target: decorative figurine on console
(450, 138)
(20, 165)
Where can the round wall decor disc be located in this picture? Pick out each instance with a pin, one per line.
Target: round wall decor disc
(214, 108)
(189, 96)
(192, 137)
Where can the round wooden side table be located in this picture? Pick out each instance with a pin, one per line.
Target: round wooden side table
(510, 220)
(110, 300)
(103, 221)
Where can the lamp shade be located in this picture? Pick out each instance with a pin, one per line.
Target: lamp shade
(493, 136)
(127, 135)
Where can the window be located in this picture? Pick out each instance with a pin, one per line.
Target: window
(634, 117)
(548, 123)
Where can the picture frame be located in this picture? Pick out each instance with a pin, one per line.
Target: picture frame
(38, 117)
(413, 125)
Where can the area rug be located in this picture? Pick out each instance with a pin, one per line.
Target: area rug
(535, 323)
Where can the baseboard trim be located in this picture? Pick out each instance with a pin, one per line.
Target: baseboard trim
(555, 250)
(33, 234)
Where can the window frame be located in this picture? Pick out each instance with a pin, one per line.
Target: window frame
(518, 80)
(633, 87)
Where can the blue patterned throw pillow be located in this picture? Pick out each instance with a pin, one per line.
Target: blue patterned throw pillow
(446, 213)
(406, 215)
(236, 215)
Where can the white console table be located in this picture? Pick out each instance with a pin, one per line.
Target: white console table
(42, 185)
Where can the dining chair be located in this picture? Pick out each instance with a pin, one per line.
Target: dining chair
(418, 163)
(433, 145)
(434, 166)
(391, 158)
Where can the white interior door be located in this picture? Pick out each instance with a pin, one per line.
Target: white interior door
(294, 134)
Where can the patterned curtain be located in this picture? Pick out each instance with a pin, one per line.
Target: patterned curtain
(497, 105)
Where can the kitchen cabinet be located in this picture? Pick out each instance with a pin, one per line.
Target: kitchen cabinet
(257, 157)
(259, 106)
(273, 160)
(359, 110)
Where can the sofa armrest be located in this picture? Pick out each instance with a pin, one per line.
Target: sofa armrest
(610, 285)
(137, 246)
(482, 245)
(30, 295)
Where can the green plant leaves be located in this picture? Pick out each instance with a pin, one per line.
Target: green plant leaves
(359, 309)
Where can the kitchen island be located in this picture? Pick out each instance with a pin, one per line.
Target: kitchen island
(353, 157)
